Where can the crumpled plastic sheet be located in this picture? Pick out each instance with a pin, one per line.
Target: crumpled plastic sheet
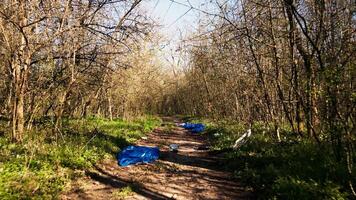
(137, 154)
(194, 128)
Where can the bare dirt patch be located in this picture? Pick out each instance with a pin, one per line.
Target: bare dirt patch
(189, 174)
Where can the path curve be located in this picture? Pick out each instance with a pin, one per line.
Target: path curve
(189, 174)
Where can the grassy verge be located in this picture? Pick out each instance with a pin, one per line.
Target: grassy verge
(42, 165)
(292, 169)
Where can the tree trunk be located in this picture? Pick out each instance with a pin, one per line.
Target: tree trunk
(19, 82)
(110, 107)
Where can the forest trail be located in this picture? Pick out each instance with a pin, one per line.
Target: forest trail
(189, 174)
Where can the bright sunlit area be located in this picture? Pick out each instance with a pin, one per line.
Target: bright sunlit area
(177, 99)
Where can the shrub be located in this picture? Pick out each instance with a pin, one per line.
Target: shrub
(292, 188)
(291, 169)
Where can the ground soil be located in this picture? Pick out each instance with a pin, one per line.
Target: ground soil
(191, 173)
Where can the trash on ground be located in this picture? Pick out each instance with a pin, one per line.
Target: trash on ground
(217, 134)
(194, 128)
(241, 140)
(173, 148)
(137, 154)
(144, 138)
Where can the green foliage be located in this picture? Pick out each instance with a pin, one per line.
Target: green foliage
(291, 169)
(41, 166)
(122, 193)
(223, 134)
(292, 188)
(23, 176)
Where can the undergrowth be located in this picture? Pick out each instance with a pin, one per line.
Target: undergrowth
(123, 193)
(43, 164)
(294, 168)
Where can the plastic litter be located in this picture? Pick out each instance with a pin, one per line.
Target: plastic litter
(194, 128)
(241, 140)
(137, 154)
(217, 134)
(173, 147)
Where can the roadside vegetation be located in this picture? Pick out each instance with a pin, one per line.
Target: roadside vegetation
(284, 68)
(62, 62)
(42, 166)
(293, 168)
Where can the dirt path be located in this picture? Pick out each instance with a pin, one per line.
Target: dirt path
(188, 174)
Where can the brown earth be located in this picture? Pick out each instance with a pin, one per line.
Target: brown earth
(189, 174)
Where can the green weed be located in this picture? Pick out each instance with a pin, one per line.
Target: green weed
(122, 193)
(42, 165)
(291, 169)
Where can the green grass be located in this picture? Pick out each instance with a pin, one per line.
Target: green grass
(42, 166)
(292, 169)
(123, 193)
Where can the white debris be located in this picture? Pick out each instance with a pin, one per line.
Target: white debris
(173, 147)
(242, 139)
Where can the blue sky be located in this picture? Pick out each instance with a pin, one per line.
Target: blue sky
(172, 16)
(176, 21)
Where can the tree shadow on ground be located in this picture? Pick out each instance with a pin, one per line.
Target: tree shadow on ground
(212, 163)
(191, 173)
(117, 141)
(201, 179)
(115, 182)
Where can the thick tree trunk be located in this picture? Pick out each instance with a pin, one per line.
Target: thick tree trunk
(19, 65)
(19, 85)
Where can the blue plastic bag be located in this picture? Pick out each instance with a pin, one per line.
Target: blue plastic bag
(198, 128)
(137, 154)
(195, 128)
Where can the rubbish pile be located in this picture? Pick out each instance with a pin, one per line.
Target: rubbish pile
(137, 154)
(140, 154)
(194, 128)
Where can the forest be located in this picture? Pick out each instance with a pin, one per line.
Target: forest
(82, 79)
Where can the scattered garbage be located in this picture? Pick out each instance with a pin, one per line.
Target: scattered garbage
(173, 148)
(137, 154)
(217, 134)
(241, 140)
(144, 138)
(194, 128)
